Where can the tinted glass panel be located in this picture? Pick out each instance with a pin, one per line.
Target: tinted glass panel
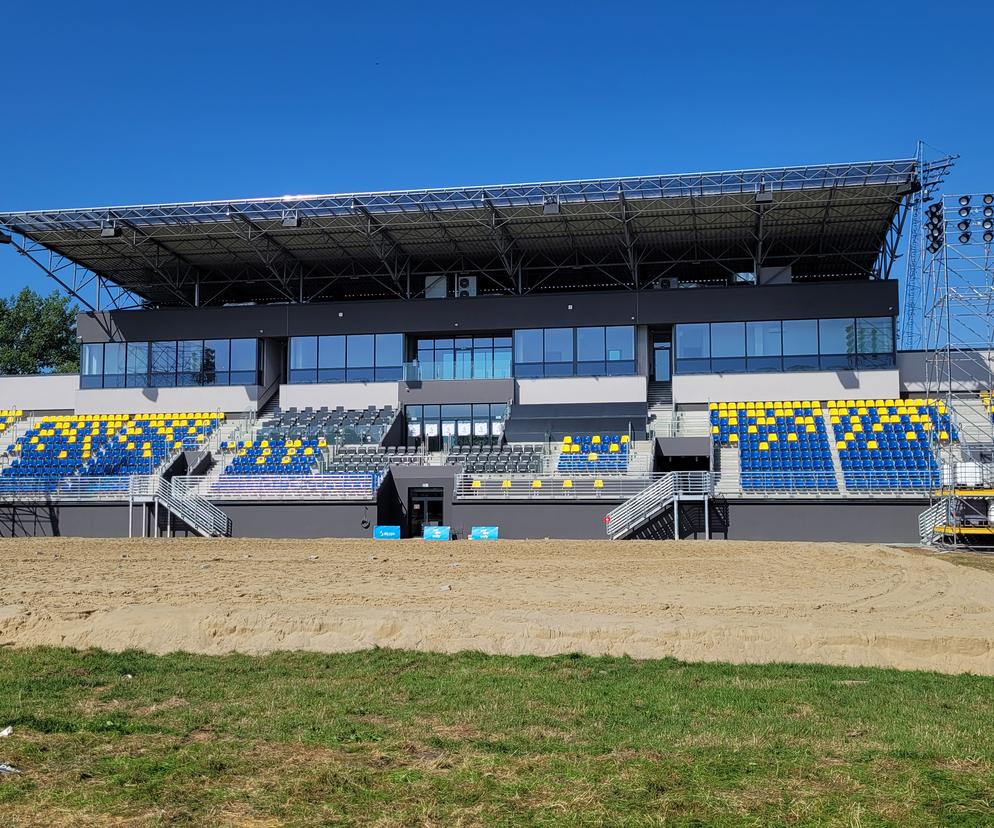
(115, 360)
(693, 342)
(163, 364)
(559, 345)
(528, 345)
(216, 361)
(91, 366)
(360, 353)
(620, 343)
(137, 364)
(331, 352)
(304, 359)
(590, 345)
(836, 336)
(875, 335)
(244, 362)
(763, 339)
(728, 340)
(190, 363)
(389, 350)
(800, 336)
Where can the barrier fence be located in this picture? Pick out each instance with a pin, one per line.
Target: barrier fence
(549, 487)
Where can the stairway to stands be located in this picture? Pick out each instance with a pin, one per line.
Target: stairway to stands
(728, 480)
(660, 400)
(840, 477)
(271, 407)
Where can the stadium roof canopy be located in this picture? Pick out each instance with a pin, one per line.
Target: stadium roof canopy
(826, 222)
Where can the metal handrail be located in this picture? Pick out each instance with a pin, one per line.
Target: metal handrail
(77, 488)
(183, 498)
(654, 498)
(330, 487)
(561, 486)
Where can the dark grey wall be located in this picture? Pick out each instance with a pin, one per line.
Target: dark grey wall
(300, 520)
(487, 313)
(456, 391)
(534, 520)
(395, 491)
(887, 522)
(684, 446)
(91, 520)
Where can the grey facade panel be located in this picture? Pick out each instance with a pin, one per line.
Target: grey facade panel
(568, 521)
(858, 521)
(488, 313)
(432, 392)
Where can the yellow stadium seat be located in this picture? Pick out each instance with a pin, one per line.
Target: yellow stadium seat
(910, 435)
(595, 439)
(624, 438)
(476, 484)
(598, 484)
(260, 460)
(764, 446)
(592, 456)
(871, 444)
(792, 438)
(943, 435)
(575, 448)
(536, 484)
(567, 439)
(733, 438)
(567, 484)
(505, 484)
(614, 448)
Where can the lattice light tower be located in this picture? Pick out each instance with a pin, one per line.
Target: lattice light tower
(958, 328)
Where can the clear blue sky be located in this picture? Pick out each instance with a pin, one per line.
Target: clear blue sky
(122, 103)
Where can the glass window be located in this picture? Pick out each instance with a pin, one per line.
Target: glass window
(331, 359)
(800, 345)
(92, 361)
(763, 346)
(836, 344)
(620, 341)
(163, 364)
(502, 362)
(389, 356)
(558, 352)
(115, 359)
(360, 357)
(590, 352)
(190, 363)
(728, 347)
(215, 361)
(693, 349)
(138, 364)
(528, 352)
(244, 362)
(875, 335)
(304, 359)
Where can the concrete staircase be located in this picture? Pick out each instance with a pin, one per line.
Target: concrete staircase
(660, 400)
(728, 479)
(840, 478)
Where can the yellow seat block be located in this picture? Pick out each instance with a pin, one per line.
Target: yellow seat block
(615, 448)
(260, 461)
(505, 484)
(943, 435)
(595, 439)
(910, 435)
(792, 438)
(764, 446)
(309, 451)
(871, 444)
(567, 439)
(624, 438)
(63, 455)
(733, 438)
(567, 484)
(476, 484)
(840, 444)
(592, 456)
(772, 437)
(575, 448)
(536, 484)
(598, 484)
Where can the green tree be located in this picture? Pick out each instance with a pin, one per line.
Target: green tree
(38, 334)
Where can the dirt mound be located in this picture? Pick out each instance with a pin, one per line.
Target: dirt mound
(729, 601)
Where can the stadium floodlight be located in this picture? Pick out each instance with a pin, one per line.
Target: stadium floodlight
(988, 224)
(989, 198)
(964, 211)
(4, 238)
(964, 225)
(964, 238)
(109, 230)
(989, 211)
(550, 205)
(988, 237)
(964, 200)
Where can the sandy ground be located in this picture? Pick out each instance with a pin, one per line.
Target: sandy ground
(729, 601)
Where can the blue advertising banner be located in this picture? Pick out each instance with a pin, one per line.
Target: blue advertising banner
(483, 533)
(386, 532)
(437, 533)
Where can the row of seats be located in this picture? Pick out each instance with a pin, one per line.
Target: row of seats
(106, 444)
(507, 458)
(358, 459)
(887, 446)
(782, 446)
(593, 453)
(9, 416)
(337, 425)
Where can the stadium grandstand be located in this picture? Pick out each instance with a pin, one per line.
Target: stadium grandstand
(705, 355)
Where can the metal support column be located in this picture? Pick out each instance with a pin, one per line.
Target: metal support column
(676, 518)
(707, 518)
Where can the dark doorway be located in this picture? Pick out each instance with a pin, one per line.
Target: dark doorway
(661, 362)
(426, 507)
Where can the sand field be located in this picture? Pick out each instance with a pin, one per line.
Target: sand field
(731, 601)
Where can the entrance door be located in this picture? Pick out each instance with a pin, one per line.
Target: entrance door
(426, 507)
(661, 371)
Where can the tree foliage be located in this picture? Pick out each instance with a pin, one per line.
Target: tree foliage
(38, 334)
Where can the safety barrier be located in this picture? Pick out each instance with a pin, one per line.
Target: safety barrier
(654, 498)
(313, 487)
(548, 487)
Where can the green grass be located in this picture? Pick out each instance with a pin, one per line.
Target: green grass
(399, 738)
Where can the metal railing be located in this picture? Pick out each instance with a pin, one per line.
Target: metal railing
(548, 486)
(83, 488)
(181, 497)
(312, 487)
(654, 498)
(934, 516)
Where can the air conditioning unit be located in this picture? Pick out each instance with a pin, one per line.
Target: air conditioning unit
(669, 283)
(436, 287)
(465, 286)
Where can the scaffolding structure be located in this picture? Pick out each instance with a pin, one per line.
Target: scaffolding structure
(957, 239)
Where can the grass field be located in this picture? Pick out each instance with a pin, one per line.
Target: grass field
(397, 738)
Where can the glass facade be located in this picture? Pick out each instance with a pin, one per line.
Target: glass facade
(351, 358)
(458, 424)
(574, 352)
(167, 364)
(790, 345)
(462, 357)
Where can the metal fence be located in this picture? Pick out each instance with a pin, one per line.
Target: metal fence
(549, 487)
(654, 498)
(33, 489)
(312, 487)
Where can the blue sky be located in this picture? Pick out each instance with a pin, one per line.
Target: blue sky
(121, 103)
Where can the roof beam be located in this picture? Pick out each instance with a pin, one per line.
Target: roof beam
(384, 245)
(633, 254)
(272, 254)
(507, 250)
